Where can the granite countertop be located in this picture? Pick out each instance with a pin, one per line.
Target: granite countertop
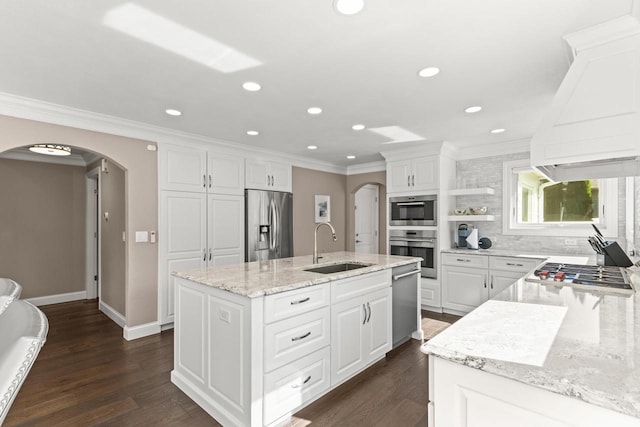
(582, 344)
(498, 252)
(255, 279)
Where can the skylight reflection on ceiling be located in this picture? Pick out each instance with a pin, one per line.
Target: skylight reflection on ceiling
(159, 31)
(396, 134)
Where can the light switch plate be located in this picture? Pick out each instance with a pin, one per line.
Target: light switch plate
(142, 236)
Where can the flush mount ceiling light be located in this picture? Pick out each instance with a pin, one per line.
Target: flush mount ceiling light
(51, 149)
(314, 110)
(473, 109)
(251, 86)
(351, 157)
(499, 130)
(172, 112)
(312, 147)
(357, 127)
(253, 132)
(348, 7)
(429, 72)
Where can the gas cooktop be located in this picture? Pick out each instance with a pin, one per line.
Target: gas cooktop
(590, 277)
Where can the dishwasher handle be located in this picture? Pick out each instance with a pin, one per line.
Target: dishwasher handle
(400, 276)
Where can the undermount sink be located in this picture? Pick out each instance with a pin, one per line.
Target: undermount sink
(336, 268)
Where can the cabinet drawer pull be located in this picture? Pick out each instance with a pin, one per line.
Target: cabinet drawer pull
(204, 181)
(408, 180)
(301, 337)
(364, 308)
(209, 181)
(463, 260)
(204, 253)
(300, 301)
(491, 282)
(512, 264)
(303, 383)
(369, 307)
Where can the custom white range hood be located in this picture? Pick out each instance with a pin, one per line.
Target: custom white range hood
(592, 129)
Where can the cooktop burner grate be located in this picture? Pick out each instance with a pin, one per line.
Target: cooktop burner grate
(583, 276)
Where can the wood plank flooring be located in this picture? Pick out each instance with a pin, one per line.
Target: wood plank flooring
(88, 375)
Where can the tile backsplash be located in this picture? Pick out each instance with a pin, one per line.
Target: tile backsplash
(487, 172)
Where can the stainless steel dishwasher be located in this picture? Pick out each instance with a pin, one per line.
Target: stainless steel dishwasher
(404, 291)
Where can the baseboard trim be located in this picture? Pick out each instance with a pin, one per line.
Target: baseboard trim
(58, 298)
(141, 331)
(166, 326)
(112, 314)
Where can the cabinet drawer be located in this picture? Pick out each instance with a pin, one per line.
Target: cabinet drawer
(521, 265)
(291, 386)
(287, 304)
(464, 260)
(344, 289)
(295, 337)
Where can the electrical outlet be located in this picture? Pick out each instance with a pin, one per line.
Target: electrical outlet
(225, 315)
(571, 242)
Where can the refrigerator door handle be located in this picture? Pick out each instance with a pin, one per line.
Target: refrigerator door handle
(274, 225)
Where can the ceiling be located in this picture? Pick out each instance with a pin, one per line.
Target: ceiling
(507, 56)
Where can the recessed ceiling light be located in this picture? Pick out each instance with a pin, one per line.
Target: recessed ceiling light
(429, 72)
(348, 7)
(251, 86)
(351, 157)
(172, 112)
(499, 130)
(473, 109)
(357, 127)
(312, 147)
(314, 110)
(253, 132)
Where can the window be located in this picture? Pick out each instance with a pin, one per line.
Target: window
(535, 205)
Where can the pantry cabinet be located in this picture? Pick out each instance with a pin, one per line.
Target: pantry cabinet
(413, 174)
(469, 280)
(268, 175)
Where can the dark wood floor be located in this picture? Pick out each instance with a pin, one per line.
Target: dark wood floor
(88, 375)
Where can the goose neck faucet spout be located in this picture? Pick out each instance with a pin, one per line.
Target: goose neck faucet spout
(315, 239)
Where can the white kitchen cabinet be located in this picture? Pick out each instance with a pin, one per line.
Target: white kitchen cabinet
(361, 331)
(413, 174)
(199, 231)
(267, 175)
(198, 170)
(430, 294)
(470, 280)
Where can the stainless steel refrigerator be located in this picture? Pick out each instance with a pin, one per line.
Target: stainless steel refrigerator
(268, 225)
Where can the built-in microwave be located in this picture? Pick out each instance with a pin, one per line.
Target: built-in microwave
(413, 210)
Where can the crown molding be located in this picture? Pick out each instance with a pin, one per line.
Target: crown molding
(367, 168)
(606, 32)
(492, 149)
(33, 109)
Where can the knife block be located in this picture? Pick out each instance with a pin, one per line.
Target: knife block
(615, 256)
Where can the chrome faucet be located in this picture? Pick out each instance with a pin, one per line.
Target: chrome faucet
(315, 239)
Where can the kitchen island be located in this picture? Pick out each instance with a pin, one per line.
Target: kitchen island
(256, 342)
(539, 355)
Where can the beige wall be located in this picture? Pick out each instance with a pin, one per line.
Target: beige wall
(354, 183)
(112, 248)
(306, 184)
(141, 195)
(42, 227)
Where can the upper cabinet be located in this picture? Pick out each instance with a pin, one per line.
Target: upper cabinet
(415, 174)
(201, 171)
(268, 175)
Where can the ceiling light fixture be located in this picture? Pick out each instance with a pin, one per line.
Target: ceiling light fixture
(473, 109)
(429, 72)
(312, 147)
(253, 132)
(357, 127)
(172, 112)
(348, 7)
(251, 86)
(51, 149)
(499, 130)
(351, 157)
(314, 110)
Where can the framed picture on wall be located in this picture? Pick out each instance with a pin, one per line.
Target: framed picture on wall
(322, 208)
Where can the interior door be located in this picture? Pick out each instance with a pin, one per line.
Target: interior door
(366, 219)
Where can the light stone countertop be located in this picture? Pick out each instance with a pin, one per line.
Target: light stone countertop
(581, 344)
(258, 278)
(502, 252)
